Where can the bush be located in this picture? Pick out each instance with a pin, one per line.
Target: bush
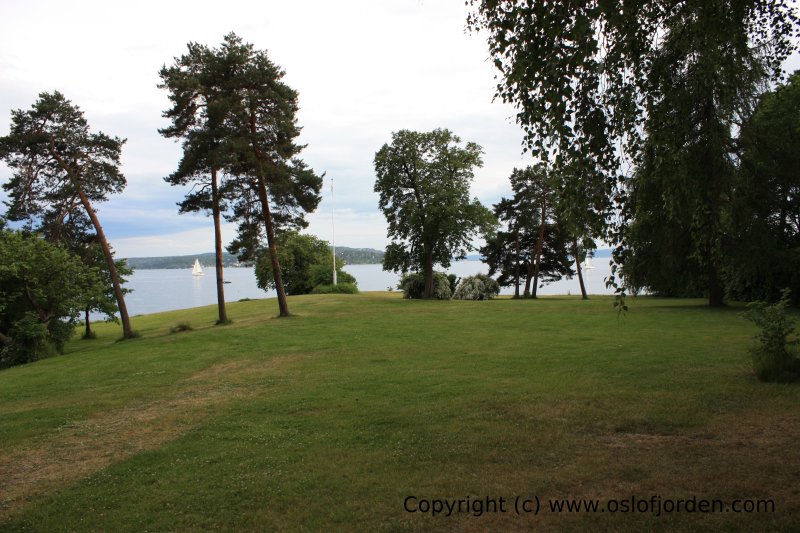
(775, 356)
(453, 280)
(322, 274)
(413, 286)
(31, 341)
(339, 288)
(182, 326)
(477, 287)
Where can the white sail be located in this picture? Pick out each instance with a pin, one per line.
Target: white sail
(587, 263)
(197, 270)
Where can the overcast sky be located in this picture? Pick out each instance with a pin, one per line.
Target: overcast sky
(363, 69)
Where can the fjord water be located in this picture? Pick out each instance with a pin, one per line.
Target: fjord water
(167, 289)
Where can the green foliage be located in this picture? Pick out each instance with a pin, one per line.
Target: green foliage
(452, 280)
(102, 299)
(43, 288)
(775, 357)
(271, 186)
(237, 116)
(586, 77)
(306, 261)
(322, 273)
(339, 288)
(200, 116)
(413, 286)
(511, 251)
(477, 287)
(423, 180)
(29, 341)
(60, 168)
(763, 228)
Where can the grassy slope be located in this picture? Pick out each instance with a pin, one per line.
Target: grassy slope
(329, 419)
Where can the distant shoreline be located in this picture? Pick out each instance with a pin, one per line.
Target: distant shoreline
(351, 256)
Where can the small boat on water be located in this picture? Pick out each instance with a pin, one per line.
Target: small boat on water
(197, 270)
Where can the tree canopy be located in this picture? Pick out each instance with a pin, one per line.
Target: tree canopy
(603, 83)
(532, 244)
(199, 85)
(270, 183)
(59, 168)
(306, 262)
(239, 119)
(423, 180)
(43, 288)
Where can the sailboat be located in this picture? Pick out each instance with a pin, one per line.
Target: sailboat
(197, 270)
(587, 263)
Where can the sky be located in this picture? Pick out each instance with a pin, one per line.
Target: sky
(363, 69)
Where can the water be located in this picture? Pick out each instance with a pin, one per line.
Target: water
(165, 290)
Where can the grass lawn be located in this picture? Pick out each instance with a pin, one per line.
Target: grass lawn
(331, 419)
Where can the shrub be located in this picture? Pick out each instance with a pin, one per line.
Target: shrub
(775, 355)
(183, 326)
(413, 286)
(477, 287)
(322, 274)
(30, 342)
(453, 280)
(339, 288)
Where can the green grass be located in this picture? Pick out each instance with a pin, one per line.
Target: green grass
(329, 419)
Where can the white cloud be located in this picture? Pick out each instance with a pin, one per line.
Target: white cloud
(363, 69)
(194, 241)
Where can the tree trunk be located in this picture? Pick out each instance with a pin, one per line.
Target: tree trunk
(283, 306)
(223, 316)
(428, 293)
(516, 272)
(127, 331)
(578, 267)
(538, 252)
(88, 332)
(716, 294)
(528, 278)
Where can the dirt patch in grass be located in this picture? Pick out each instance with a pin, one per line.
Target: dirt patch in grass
(76, 450)
(749, 455)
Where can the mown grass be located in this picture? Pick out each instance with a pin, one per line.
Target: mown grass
(328, 420)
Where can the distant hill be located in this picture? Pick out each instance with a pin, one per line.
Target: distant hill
(351, 256)
(359, 256)
(180, 261)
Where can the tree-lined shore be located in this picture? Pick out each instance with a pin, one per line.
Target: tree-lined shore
(351, 256)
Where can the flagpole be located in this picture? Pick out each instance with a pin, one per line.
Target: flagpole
(333, 235)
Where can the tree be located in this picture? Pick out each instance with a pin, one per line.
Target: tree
(581, 208)
(272, 185)
(502, 250)
(43, 288)
(305, 262)
(586, 75)
(762, 252)
(423, 181)
(101, 297)
(531, 247)
(201, 102)
(71, 229)
(58, 164)
(536, 200)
